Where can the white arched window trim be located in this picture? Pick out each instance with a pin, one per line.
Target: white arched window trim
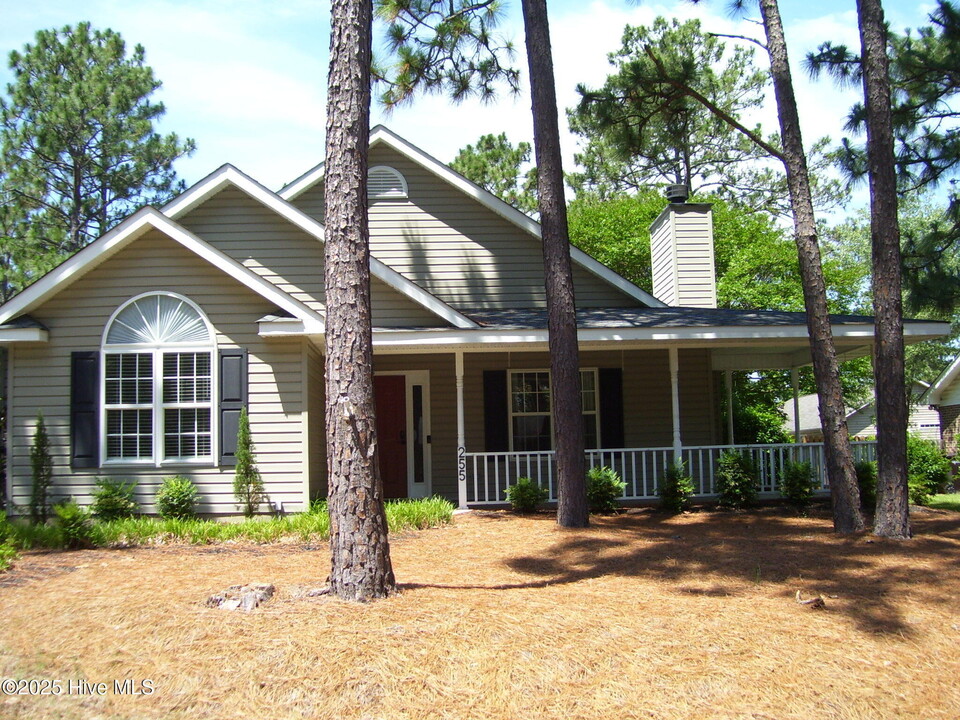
(158, 383)
(385, 183)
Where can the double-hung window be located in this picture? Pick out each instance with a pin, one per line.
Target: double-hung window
(531, 423)
(158, 383)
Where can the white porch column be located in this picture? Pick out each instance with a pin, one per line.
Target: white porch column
(461, 436)
(728, 379)
(675, 398)
(795, 381)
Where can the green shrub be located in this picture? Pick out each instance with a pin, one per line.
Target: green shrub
(113, 499)
(525, 495)
(604, 490)
(247, 483)
(676, 489)
(177, 498)
(928, 469)
(867, 481)
(736, 481)
(8, 553)
(75, 524)
(418, 514)
(797, 484)
(41, 465)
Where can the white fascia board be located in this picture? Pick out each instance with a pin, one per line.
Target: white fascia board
(285, 327)
(935, 394)
(485, 198)
(17, 335)
(229, 175)
(126, 232)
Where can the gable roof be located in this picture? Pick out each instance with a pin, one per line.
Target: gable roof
(380, 134)
(229, 176)
(135, 226)
(934, 396)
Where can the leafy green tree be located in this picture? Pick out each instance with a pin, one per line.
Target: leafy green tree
(496, 165)
(78, 150)
(639, 132)
(247, 483)
(41, 466)
(448, 46)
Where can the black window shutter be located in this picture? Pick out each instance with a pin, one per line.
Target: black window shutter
(233, 397)
(611, 407)
(495, 412)
(84, 409)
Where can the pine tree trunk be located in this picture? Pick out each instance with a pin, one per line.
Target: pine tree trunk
(572, 508)
(360, 552)
(840, 471)
(893, 509)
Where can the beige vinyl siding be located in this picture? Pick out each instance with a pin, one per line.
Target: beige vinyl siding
(681, 247)
(459, 250)
(646, 389)
(76, 317)
(288, 257)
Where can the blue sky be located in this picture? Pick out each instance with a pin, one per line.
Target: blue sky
(246, 78)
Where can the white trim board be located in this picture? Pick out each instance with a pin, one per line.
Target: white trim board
(138, 224)
(380, 134)
(228, 175)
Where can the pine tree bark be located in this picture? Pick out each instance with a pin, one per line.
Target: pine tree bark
(839, 458)
(359, 548)
(572, 510)
(893, 509)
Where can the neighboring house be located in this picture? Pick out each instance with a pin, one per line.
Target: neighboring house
(861, 421)
(141, 348)
(944, 397)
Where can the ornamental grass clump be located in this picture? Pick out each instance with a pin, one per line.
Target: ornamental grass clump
(736, 481)
(604, 490)
(75, 524)
(525, 495)
(676, 489)
(797, 484)
(177, 498)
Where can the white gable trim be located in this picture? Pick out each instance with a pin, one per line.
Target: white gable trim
(16, 335)
(934, 395)
(125, 233)
(229, 175)
(380, 134)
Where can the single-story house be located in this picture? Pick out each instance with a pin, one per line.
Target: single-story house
(861, 420)
(142, 347)
(944, 398)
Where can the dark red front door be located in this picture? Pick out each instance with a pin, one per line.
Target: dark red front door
(391, 394)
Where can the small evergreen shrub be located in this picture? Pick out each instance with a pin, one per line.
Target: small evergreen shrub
(247, 483)
(113, 499)
(604, 490)
(177, 498)
(8, 553)
(525, 495)
(797, 484)
(736, 481)
(75, 523)
(675, 489)
(41, 465)
(867, 481)
(928, 469)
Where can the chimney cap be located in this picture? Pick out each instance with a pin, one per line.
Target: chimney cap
(677, 193)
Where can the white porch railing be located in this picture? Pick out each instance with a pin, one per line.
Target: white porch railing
(641, 469)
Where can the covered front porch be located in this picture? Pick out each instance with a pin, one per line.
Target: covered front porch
(488, 475)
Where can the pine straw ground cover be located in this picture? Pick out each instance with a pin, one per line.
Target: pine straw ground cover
(640, 616)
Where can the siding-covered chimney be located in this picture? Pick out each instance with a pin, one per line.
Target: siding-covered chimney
(681, 253)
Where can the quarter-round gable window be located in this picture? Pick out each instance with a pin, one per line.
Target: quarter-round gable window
(157, 400)
(385, 183)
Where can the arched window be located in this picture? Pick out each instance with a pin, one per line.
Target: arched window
(158, 382)
(385, 183)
